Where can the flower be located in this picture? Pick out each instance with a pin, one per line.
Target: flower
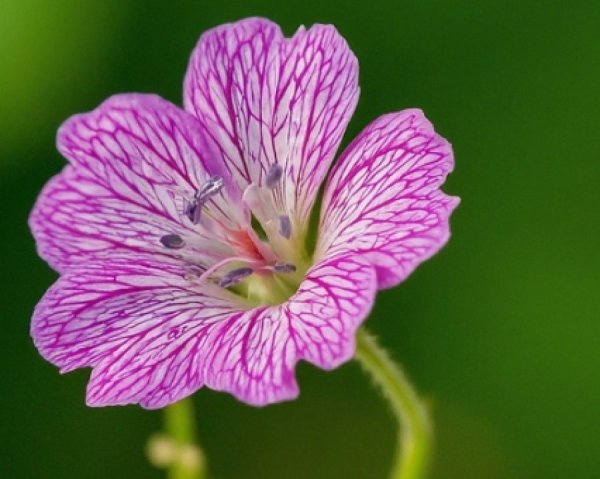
(181, 236)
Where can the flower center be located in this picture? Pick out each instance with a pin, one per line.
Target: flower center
(257, 255)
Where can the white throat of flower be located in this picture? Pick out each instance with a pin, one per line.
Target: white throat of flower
(260, 258)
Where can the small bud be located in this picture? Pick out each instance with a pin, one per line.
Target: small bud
(161, 450)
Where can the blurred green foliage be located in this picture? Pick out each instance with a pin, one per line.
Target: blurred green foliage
(501, 330)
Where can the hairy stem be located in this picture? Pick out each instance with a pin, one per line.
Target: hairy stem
(415, 433)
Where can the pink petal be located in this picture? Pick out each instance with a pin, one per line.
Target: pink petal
(383, 198)
(130, 158)
(267, 99)
(255, 354)
(153, 338)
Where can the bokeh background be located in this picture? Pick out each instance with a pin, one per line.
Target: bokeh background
(501, 330)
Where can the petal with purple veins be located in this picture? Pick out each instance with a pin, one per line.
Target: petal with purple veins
(152, 338)
(270, 100)
(383, 198)
(131, 159)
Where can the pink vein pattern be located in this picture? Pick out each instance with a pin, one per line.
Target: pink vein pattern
(153, 338)
(143, 311)
(129, 158)
(271, 100)
(383, 197)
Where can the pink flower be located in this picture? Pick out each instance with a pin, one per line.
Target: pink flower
(181, 236)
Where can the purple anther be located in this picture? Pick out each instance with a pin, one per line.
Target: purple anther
(284, 268)
(273, 176)
(234, 277)
(172, 241)
(193, 209)
(210, 188)
(285, 226)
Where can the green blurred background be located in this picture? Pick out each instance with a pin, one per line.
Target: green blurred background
(501, 330)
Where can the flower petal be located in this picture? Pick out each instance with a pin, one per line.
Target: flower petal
(267, 99)
(383, 198)
(131, 159)
(153, 338)
(335, 298)
(253, 357)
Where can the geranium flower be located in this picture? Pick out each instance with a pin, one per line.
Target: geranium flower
(182, 236)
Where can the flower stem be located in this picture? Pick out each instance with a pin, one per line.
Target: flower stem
(188, 461)
(415, 433)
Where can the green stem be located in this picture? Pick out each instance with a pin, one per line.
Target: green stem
(180, 427)
(415, 436)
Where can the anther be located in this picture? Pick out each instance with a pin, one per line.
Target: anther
(284, 268)
(172, 241)
(285, 226)
(210, 188)
(234, 277)
(194, 209)
(273, 176)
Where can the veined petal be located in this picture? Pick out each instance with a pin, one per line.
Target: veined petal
(254, 355)
(383, 199)
(267, 99)
(153, 338)
(335, 297)
(132, 159)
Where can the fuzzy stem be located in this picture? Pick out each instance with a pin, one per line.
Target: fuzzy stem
(415, 433)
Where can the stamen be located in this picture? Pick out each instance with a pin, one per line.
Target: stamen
(210, 188)
(192, 273)
(285, 226)
(284, 268)
(194, 209)
(234, 277)
(172, 241)
(217, 266)
(273, 176)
